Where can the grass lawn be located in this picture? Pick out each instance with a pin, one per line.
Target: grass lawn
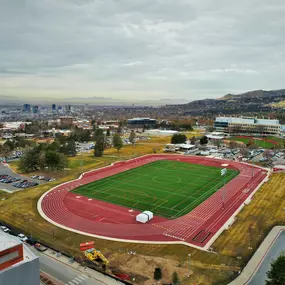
(264, 143)
(167, 188)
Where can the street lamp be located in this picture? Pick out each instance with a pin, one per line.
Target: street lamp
(224, 173)
(189, 255)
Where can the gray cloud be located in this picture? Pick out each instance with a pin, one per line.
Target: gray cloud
(150, 49)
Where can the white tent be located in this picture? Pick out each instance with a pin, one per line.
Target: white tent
(142, 218)
(149, 214)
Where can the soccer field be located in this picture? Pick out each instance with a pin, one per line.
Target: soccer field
(167, 188)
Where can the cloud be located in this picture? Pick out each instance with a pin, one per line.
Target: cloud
(154, 49)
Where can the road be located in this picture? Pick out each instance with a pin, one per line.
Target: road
(64, 273)
(260, 275)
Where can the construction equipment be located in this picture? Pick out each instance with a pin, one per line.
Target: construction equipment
(96, 256)
(92, 254)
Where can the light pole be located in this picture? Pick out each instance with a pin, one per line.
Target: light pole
(189, 255)
(224, 173)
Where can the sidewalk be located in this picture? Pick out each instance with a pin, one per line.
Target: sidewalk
(257, 259)
(88, 271)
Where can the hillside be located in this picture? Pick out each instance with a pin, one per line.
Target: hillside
(256, 101)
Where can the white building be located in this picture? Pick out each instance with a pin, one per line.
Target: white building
(18, 265)
(247, 125)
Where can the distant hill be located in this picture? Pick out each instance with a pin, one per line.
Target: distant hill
(255, 94)
(256, 101)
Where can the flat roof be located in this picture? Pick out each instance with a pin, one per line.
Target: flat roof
(6, 241)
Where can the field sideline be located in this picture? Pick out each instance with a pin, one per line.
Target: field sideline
(168, 188)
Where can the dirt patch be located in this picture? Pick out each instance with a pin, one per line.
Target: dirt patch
(142, 267)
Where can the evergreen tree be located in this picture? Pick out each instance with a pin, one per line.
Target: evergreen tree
(132, 137)
(157, 274)
(276, 274)
(175, 278)
(203, 140)
(117, 141)
(99, 145)
(178, 138)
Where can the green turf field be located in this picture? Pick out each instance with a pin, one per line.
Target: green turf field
(263, 143)
(167, 188)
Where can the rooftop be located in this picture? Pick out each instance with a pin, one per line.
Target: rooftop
(7, 241)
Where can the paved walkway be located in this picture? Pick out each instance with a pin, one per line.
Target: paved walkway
(251, 269)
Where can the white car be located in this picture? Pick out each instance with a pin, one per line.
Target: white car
(5, 229)
(22, 237)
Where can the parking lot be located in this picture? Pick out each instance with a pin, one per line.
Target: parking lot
(8, 187)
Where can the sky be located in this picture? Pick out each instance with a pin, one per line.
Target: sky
(139, 50)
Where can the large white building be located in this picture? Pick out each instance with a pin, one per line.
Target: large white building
(18, 265)
(247, 125)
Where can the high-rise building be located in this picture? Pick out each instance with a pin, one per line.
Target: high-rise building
(53, 107)
(68, 108)
(18, 264)
(27, 108)
(35, 109)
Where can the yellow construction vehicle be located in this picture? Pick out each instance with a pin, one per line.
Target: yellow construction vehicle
(96, 256)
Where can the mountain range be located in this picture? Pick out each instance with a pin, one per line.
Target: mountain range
(257, 101)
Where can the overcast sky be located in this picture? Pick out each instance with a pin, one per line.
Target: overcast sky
(140, 49)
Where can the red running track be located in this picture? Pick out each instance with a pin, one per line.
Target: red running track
(105, 220)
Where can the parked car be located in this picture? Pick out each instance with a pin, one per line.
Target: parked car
(5, 229)
(40, 247)
(22, 237)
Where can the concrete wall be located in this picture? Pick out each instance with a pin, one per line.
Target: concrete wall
(27, 273)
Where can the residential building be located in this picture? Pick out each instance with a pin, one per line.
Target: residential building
(141, 123)
(247, 125)
(18, 264)
(66, 121)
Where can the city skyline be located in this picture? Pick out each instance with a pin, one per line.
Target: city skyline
(148, 52)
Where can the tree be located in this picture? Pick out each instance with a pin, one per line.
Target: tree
(178, 138)
(108, 133)
(117, 141)
(10, 144)
(30, 160)
(98, 134)
(175, 278)
(54, 146)
(132, 137)
(276, 274)
(193, 140)
(157, 274)
(203, 140)
(233, 144)
(6, 150)
(253, 146)
(54, 160)
(69, 148)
